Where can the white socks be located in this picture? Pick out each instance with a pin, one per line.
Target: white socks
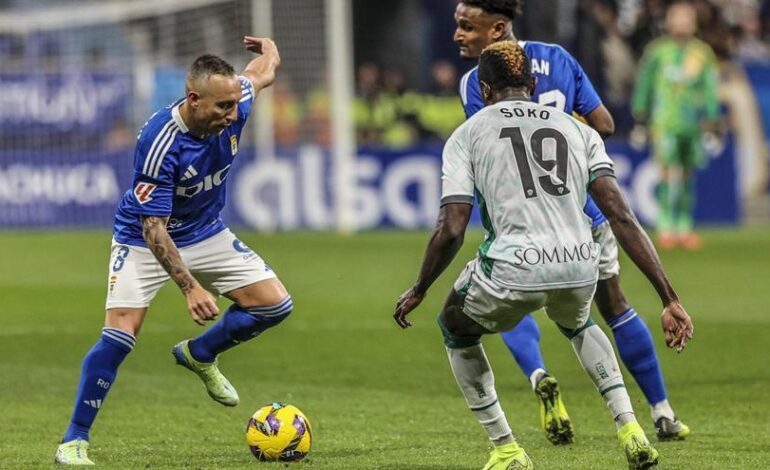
(474, 376)
(535, 377)
(597, 357)
(661, 410)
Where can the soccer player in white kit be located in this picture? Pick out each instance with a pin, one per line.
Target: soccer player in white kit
(168, 225)
(530, 166)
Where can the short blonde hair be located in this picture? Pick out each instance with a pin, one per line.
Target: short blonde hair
(504, 64)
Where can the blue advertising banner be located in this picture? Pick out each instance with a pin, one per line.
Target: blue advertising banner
(45, 189)
(44, 104)
(295, 190)
(402, 188)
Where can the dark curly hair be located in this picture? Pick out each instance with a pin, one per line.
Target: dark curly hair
(504, 64)
(509, 8)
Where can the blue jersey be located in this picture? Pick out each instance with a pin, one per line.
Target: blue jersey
(561, 83)
(180, 176)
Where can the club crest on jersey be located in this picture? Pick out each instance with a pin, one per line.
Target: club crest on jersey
(233, 145)
(142, 192)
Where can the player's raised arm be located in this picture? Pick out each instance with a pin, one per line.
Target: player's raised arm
(200, 302)
(261, 70)
(677, 325)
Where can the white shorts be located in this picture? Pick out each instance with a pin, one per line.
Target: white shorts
(608, 256)
(220, 263)
(499, 308)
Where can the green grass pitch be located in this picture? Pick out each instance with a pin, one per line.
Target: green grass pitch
(378, 397)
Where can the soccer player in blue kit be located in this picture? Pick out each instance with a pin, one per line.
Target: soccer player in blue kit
(168, 225)
(561, 83)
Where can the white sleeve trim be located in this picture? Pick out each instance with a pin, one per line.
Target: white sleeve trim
(464, 86)
(247, 88)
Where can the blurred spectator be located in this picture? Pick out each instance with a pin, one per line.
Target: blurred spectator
(388, 113)
(649, 24)
(750, 45)
(619, 64)
(440, 112)
(401, 128)
(317, 118)
(676, 96)
(287, 113)
(365, 113)
(712, 28)
(368, 81)
(444, 76)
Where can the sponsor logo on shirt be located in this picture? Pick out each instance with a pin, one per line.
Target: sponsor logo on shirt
(142, 192)
(558, 255)
(209, 182)
(189, 173)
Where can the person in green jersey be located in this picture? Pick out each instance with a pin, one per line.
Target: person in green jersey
(675, 96)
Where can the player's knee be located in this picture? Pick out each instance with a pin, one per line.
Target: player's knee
(609, 298)
(572, 329)
(453, 338)
(246, 323)
(126, 319)
(273, 313)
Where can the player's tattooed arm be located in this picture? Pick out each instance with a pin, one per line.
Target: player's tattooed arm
(261, 70)
(162, 246)
(200, 303)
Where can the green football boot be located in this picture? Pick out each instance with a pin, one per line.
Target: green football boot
(671, 430)
(508, 457)
(74, 452)
(217, 385)
(554, 419)
(639, 451)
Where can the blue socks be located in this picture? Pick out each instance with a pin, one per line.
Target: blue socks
(100, 367)
(637, 351)
(524, 343)
(236, 326)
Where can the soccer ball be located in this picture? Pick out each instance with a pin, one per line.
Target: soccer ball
(279, 432)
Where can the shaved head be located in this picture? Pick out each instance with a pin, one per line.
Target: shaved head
(205, 66)
(213, 92)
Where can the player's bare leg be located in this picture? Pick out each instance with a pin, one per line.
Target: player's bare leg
(474, 376)
(256, 307)
(637, 350)
(126, 319)
(100, 368)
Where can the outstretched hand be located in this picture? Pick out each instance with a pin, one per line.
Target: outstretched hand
(677, 326)
(408, 301)
(259, 45)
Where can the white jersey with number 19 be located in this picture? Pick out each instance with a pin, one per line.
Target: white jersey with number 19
(529, 167)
